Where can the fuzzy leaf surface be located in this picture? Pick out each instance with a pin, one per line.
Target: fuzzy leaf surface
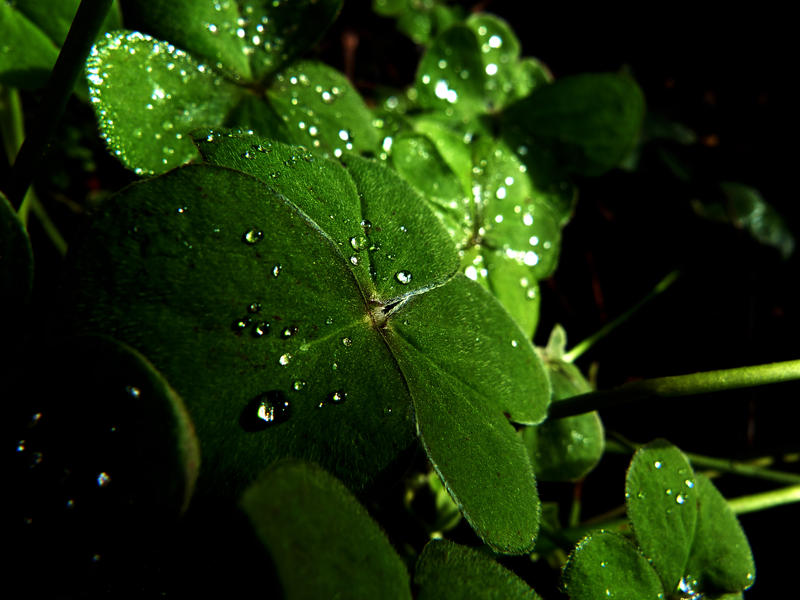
(323, 542)
(297, 289)
(606, 565)
(662, 503)
(449, 571)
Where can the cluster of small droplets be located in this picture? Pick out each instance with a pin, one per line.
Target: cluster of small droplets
(160, 62)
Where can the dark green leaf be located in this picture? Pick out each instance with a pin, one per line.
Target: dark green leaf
(104, 435)
(662, 502)
(720, 560)
(354, 282)
(745, 208)
(323, 542)
(448, 571)
(450, 77)
(26, 53)
(54, 17)
(16, 262)
(247, 38)
(583, 124)
(148, 95)
(606, 565)
(322, 110)
(564, 449)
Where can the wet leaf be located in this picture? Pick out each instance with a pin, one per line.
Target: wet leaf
(583, 124)
(329, 291)
(16, 262)
(106, 453)
(322, 110)
(606, 565)
(450, 76)
(248, 39)
(148, 95)
(323, 542)
(661, 497)
(720, 559)
(449, 571)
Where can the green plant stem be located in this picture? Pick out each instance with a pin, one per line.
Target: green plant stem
(81, 36)
(678, 385)
(747, 469)
(586, 344)
(755, 502)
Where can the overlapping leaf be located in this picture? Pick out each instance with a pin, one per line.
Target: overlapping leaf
(301, 309)
(149, 93)
(448, 571)
(16, 261)
(323, 542)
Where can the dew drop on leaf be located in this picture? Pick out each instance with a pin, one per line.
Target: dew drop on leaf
(288, 331)
(133, 391)
(338, 396)
(239, 325)
(285, 359)
(403, 277)
(254, 308)
(276, 270)
(265, 410)
(260, 329)
(103, 479)
(252, 236)
(298, 385)
(346, 341)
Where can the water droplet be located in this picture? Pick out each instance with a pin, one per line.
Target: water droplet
(514, 343)
(36, 459)
(276, 270)
(689, 483)
(133, 391)
(261, 328)
(657, 464)
(266, 409)
(248, 155)
(298, 385)
(338, 396)
(288, 331)
(70, 504)
(252, 236)
(680, 498)
(354, 260)
(603, 564)
(358, 243)
(21, 446)
(254, 308)
(366, 225)
(668, 491)
(403, 277)
(347, 341)
(103, 479)
(239, 325)
(35, 418)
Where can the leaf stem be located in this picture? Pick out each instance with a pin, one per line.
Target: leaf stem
(754, 502)
(678, 385)
(81, 36)
(746, 469)
(583, 346)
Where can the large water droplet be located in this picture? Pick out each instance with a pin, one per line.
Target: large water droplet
(285, 359)
(403, 277)
(265, 410)
(252, 236)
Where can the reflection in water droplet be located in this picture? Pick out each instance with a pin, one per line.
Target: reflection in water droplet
(403, 277)
(103, 479)
(269, 408)
(276, 270)
(680, 498)
(239, 325)
(657, 464)
(347, 341)
(254, 308)
(252, 236)
(21, 446)
(35, 418)
(288, 331)
(133, 391)
(298, 385)
(260, 329)
(668, 491)
(366, 225)
(354, 260)
(338, 396)
(689, 483)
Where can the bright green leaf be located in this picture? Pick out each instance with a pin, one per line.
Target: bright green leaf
(721, 560)
(313, 304)
(450, 76)
(250, 39)
(16, 262)
(606, 565)
(583, 124)
(448, 571)
(323, 542)
(662, 503)
(148, 95)
(322, 110)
